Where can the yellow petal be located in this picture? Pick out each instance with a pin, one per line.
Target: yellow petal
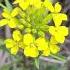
(9, 43)
(31, 52)
(14, 50)
(57, 19)
(49, 5)
(57, 7)
(46, 52)
(54, 49)
(41, 43)
(15, 12)
(53, 41)
(28, 39)
(63, 30)
(24, 5)
(63, 16)
(60, 38)
(17, 35)
(6, 15)
(3, 22)
(13, 22)
(52, 30)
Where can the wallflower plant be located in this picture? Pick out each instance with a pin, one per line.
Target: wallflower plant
(30, 20)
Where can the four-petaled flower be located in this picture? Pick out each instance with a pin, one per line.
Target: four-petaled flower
(15, 43)
(9, 17)
(55, 11)
(58, 33)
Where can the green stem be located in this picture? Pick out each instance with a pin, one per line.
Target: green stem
(37, 63)
(54, 56)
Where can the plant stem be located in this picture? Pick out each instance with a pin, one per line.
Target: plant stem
(61, 59)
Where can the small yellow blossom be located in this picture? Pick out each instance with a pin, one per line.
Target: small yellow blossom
(58, 33)
(15, 44)
(11, 44)
(9, 17)
(57, 16)
(41, 43)
(31, 51)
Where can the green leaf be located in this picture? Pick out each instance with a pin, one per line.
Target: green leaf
(9, 6)
(1, 5)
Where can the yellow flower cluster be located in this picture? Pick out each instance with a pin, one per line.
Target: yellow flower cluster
(58, 32)
(31, 46)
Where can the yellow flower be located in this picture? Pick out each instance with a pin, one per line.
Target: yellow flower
(31, 51)
(54, 49)
(58, 33)
(57, 16)
(28, 39)
(41, 43)
(17, 35)
(15, 43)
(11, 44)
(9, 18)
